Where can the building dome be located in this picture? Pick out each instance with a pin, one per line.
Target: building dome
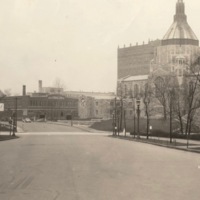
(180, 32)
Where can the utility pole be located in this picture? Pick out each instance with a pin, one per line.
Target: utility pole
(125, 121)
(115, 116)
(138, 115)
(121, 114)
(15, 118)
(71, 118)
(134, 116)
(16, 115)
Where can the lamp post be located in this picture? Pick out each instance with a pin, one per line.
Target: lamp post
(146, 102)
(125, 121)
(71, 118)
(134, 122)
(113, 123)
(118, 128)
(138, 116)
(15, 118)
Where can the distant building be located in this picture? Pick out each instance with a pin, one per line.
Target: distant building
(49, 90)
(92, 104)
(40, 105)
(77, 94)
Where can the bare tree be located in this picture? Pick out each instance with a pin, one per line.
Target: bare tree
(186, 100)
(162, 86)
(192, 98)
(7, 92)
(148, 96)
(59, 83)
(179, 107)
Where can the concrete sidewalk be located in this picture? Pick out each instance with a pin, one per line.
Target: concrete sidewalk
(180, 144)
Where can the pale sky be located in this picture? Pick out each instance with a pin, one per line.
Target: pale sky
(77, 40)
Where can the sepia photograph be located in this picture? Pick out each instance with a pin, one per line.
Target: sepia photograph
(99, 100)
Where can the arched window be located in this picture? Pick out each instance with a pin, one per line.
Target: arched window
(179, 72)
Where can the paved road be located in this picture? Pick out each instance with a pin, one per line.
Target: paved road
(46, 127)
(94, 167)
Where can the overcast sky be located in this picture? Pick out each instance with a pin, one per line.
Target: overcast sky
(77, 40)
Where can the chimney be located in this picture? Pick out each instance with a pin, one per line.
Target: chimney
(40, 86)
(24, 90)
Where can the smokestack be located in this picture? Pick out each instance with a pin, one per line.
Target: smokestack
(24, 90)
(40, 86)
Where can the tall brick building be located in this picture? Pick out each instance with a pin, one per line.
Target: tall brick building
(135, 60)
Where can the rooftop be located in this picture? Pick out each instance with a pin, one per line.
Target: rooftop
(180, 29)
(135, 78)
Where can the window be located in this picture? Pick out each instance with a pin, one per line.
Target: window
(130, 104)
(136, 90)
(179, 72)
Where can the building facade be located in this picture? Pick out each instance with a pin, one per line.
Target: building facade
(45, 106)
(134, 60)
(171, 56)
(92, 104)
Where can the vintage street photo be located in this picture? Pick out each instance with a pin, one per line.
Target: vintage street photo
(99, 100)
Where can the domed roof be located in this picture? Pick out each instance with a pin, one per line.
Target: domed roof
(180, 31)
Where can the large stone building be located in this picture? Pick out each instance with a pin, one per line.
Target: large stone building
(173, 55)
(93, 104)
(90, 104)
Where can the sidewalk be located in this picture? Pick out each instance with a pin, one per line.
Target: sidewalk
(81, 127)
(180, 144)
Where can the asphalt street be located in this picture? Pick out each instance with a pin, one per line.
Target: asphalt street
(78, 166)
(46, 127)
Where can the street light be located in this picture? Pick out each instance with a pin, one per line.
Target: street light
(15, 118)
(138, 116)
(171, 91)
(146, 102)
(114, 125)
(71, 118)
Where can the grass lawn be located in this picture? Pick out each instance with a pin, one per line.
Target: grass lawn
(160, 127)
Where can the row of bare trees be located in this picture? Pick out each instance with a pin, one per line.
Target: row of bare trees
(180, 101)
(179, 97)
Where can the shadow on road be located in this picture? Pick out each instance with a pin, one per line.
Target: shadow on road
(7, 137)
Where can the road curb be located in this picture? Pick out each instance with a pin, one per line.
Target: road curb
(152, 143)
